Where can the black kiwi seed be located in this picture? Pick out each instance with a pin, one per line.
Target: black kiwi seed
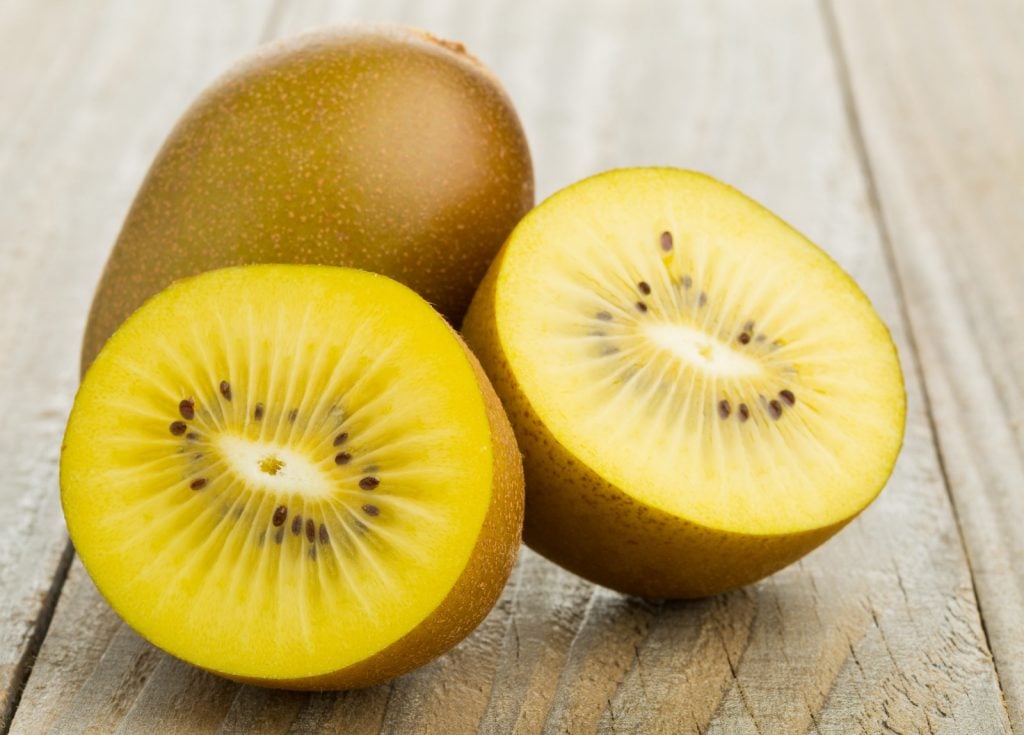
(324, 538)
(178, 428)
(702, 299)
(187, 409)
(192, 436)
(279, 536)
(312, 553)
(775, 409)
(724, 409)
(257, 412)
(279, 515)
(641, 306)
(310, 530)
(645, 288)
(666, 241)
(744, 412)
(293, 414)
(198, 484)
(296, 525)
(342, 458)
(340, 438)
(744, 339)
(225, 389)
(687, 281)
(369, 483)
(604, 316)
(371, 510)
(787, 396)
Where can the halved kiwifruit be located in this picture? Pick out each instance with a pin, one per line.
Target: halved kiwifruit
(292, 475)
(700, 393)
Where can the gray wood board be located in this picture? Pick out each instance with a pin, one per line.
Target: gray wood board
(940, 101)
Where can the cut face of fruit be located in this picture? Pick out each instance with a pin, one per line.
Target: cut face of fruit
(698, 357)
(280, 473)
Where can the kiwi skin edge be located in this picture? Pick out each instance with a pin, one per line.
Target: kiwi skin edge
(478, 587)
(569, 507)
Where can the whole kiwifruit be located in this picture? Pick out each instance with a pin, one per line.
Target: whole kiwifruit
(701, 395)
(294, 476)
(376, 147)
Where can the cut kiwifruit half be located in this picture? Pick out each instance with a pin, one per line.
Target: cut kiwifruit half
(295, 476)
(700, 393)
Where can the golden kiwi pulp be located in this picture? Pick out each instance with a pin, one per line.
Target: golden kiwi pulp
(375, 147)
(701, 395)
(295, 476)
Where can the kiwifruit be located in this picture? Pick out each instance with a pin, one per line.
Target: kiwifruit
(701, 395)
(377, 147)
(294, 476)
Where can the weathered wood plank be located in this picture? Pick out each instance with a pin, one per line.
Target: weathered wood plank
(879, 629)
(939, 92)
(33, 549)
(89, 91)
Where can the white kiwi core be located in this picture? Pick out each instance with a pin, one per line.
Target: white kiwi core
(274, 468)
(702, 351)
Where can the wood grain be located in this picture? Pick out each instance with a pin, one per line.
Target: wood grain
(940, 100)
(89, 92)
(877, 631)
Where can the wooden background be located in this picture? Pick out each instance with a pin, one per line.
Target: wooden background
(891, 132)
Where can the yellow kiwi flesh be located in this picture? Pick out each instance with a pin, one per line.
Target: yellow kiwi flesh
(376, 147)
(295, 476)
(701, 395)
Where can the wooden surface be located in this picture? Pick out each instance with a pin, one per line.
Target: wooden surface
(892, 133)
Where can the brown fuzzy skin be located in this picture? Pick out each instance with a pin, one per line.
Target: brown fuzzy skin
(570, 508)
(477, 589)
(380, 148)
